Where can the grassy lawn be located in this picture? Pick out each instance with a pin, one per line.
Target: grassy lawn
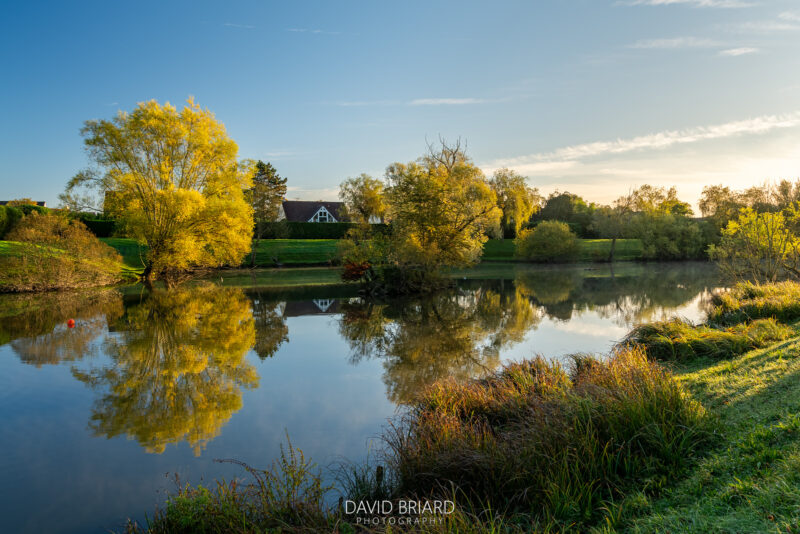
(591, 249)
(322, 251)
(295, 251)
(129, 249)
(286, 251)
(750, 481)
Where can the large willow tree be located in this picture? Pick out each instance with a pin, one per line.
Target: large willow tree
(441, 208)
(172, 177)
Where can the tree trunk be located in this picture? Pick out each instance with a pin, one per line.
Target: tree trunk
(147, 276)
(611, 252)
(253, 253)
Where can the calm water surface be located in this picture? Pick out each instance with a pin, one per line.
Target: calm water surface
(99, 418)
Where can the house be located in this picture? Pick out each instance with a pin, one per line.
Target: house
(40, 203)
(312, 211)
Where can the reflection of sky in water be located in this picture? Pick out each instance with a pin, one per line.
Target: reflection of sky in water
(59, 478)
(588, 331)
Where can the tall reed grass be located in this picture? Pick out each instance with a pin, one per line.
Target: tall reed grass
(553, 445)
(749, 301)
(681, 340)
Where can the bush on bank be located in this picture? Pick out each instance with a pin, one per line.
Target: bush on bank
(46, 252)
(550, 444)
(549, 241)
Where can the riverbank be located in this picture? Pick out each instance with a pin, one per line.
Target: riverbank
(317, 252)
(298, 254)
(619, 445)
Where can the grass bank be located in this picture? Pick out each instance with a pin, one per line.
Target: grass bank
(307, 252)
(750, 481)
(590, 250)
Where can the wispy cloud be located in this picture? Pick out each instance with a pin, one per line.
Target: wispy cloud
(365, 103)
(766, 26)
(311, 30)
(734, 52)
(657, 141)
(793, 16)
(726, 4)
(240, 26)
(676, 42)
(738, 153)
(445, 101)
(418, 102)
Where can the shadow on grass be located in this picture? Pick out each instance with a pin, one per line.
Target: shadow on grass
(750, 482)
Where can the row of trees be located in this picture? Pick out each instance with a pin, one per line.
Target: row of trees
(173, 179)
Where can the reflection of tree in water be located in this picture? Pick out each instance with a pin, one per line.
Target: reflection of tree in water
(178, 368)
(638, 294)
(457, 333)
(36, 324)
(270, 325)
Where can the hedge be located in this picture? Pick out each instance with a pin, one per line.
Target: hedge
(310, 230)
(9, 215)
(27, 209)
(101, 227)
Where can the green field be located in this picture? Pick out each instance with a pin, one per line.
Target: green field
(298, 252)
(269, 252)
(591, 250)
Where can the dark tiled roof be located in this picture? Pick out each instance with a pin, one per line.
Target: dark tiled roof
(41, 203)
(303, 210)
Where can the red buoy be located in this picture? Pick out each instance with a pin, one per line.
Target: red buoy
(71, 323)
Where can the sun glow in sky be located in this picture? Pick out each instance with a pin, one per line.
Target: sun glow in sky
(591, 96)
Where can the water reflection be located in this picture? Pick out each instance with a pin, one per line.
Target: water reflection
(270, 325)
(177, 369)
(456, 333)
(36, 324)
(171, 366)
(633, 294)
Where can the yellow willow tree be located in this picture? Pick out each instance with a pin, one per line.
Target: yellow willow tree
(441, 208)
(172, 177)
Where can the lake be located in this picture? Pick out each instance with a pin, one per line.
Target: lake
(99, 418)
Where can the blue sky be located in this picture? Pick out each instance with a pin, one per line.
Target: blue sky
(590, 96)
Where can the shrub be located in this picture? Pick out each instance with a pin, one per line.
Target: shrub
(27, 209)
(680, 340)
(536, 439)
(56, 253)
(549, 241)
(9, 217)
(666, 236)
(747, 301)
(290, 493)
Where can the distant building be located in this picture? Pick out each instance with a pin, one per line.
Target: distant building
(312, 211)
(315, 211)
(41, 203)
(299, 308)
